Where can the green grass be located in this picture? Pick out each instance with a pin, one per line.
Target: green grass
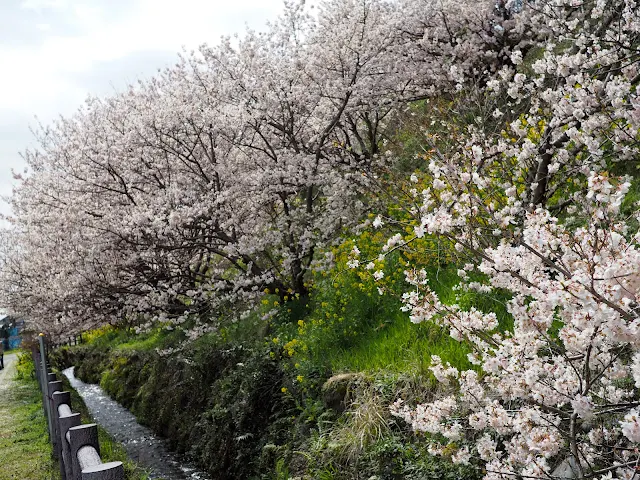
(127, 340)
(25, 452)
(400, 348)
(145, 342)
(350, 329)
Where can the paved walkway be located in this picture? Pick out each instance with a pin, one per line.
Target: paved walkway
(6, 375)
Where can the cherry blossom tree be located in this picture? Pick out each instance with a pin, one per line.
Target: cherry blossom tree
(533, 198)
(224, 175)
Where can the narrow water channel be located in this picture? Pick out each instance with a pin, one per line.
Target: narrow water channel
(141, 444)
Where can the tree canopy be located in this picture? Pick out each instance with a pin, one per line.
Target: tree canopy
(230, 172)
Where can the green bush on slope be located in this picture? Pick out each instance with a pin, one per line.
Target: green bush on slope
(245, 406)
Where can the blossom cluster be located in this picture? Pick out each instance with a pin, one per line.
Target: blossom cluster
(535, 200)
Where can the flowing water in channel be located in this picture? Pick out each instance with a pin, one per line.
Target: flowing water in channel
(141, 444)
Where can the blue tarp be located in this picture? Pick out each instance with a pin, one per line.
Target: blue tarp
(14, 339)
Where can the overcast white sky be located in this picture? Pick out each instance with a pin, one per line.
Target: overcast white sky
(53, 53)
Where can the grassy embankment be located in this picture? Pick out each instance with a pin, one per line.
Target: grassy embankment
(249, 402)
